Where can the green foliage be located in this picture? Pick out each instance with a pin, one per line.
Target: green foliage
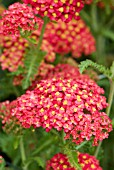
(72, 156)
(87, 63)
(32, 61)
(7, 89)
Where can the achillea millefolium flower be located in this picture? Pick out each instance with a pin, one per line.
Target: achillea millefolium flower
(73, 105)
(60, 162)
(73, 37)
(64, 10)
(18, 17)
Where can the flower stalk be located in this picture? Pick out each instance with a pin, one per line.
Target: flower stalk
(23, 155)
(110, 100)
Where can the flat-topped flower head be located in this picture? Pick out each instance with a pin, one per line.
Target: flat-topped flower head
(13, 52)
(74, 37)
(10, 123)
(60, 162)
(18, 17)
(64, 10)
(73, 105)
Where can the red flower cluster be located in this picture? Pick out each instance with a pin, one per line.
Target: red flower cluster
(14, 49)
(70, 104)
(73, 37)
(13, 52)
(60, 162)
(57, 9)
(64, 71)
(48, 71)
(9, 122)
(18, 16)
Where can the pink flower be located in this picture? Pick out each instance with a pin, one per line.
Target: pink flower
(73, 37)
(10, 123)
(55, 10)
(18, 16)
(60, 162)
(73, 105)
(13, 52)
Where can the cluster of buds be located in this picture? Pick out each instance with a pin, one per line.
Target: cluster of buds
(13, 52)
(73, 37)
(18, 17)
(64, 10)
(73, 105)
(60, 162)
(10, 123)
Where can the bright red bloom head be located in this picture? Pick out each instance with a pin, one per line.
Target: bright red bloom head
(18, 16)
(73, 37)
(13, 52)
(73, 105)
(55, 10)
(10, 123)
(60, 162)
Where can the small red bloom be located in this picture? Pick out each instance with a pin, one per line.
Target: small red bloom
(73, 105)
(18, 16)
(13, 52)
(10, 123)
(57, 9)
(60, 162)
(73, 37)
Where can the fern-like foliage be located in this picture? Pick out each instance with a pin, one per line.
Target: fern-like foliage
(85, 64)
(32, 61)
(72, 158)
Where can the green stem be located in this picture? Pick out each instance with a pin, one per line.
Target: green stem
(42, 33)
(72, 157)
(44, 145)
(30, 63)
(110, 99)
(81, 145)
(23, 156)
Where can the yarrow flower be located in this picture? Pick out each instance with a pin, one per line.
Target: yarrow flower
(55, 10)
(48, 71)
(73, 37)
(73, 105)
(64, 71)
(60, 162)
(10, 123)
(13, 52)
(18, 16)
